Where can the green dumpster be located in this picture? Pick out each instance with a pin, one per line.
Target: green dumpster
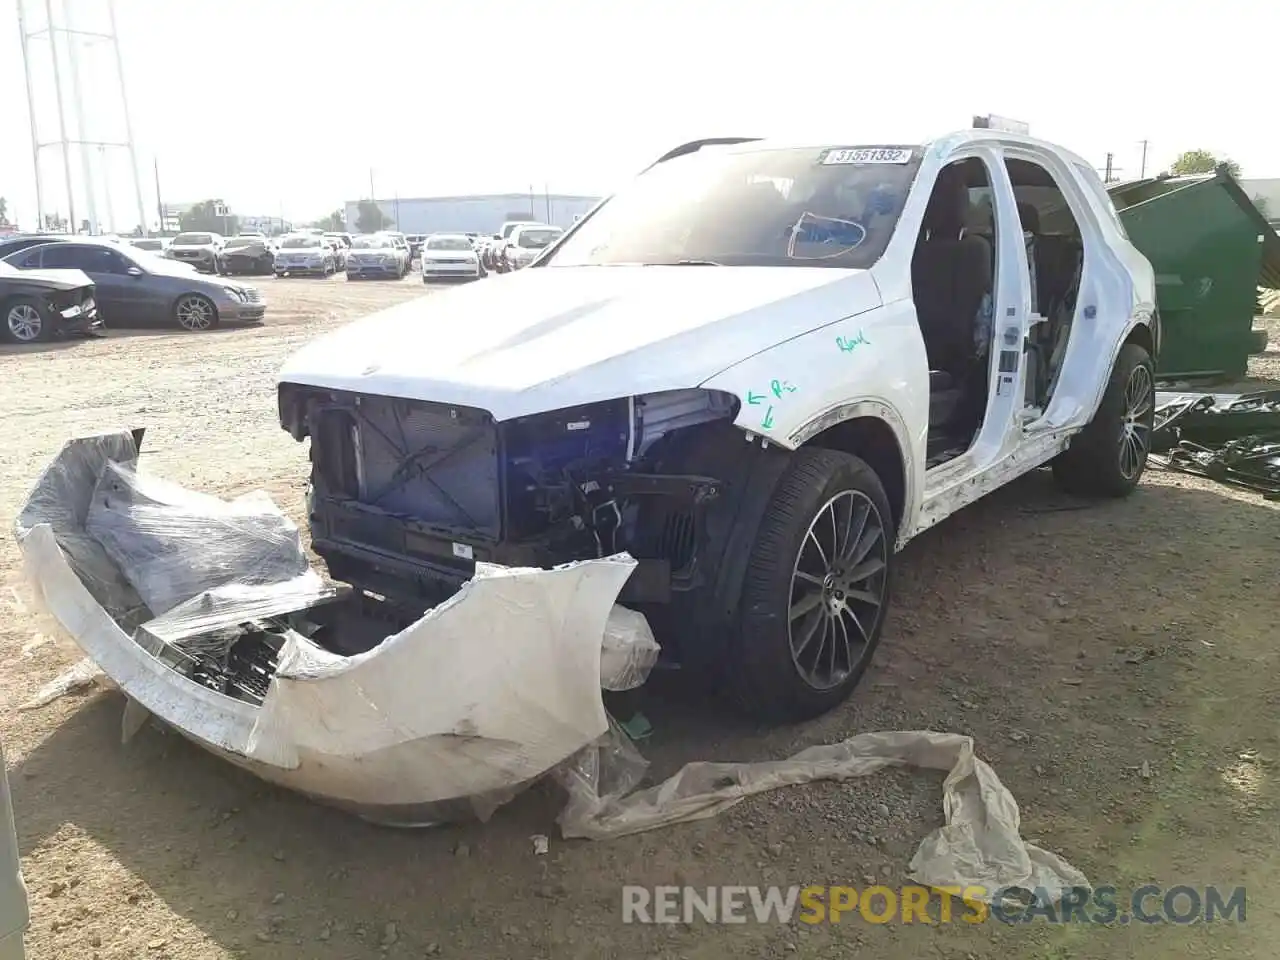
(1211, 249)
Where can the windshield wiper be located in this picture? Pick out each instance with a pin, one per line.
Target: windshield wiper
(689, 263)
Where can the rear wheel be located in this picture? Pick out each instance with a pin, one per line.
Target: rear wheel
(23, 321)
(195, 312)
(816, 589)
(1107, 458)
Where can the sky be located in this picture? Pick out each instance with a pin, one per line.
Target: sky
(292, 107)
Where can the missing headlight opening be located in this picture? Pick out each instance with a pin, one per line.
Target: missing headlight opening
(406, 496)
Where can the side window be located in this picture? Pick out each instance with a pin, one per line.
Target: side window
(61, 256)
(102, 260)
(29, 260)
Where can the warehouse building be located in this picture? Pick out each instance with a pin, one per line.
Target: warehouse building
(474, 214)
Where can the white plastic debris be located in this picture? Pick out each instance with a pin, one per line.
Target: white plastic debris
(79, 677)
(979, 845)
(540, 844)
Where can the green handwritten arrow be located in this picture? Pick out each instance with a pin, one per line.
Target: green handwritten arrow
(754, 398)
(767, 422)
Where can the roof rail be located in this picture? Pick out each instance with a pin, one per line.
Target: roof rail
(693, 146)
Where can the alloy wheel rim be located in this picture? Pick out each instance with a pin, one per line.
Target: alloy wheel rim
(24, 323)
(837, 592)
(1139, 416)
(195, 314)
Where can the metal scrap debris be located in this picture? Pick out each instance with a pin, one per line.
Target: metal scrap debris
(1231, 439)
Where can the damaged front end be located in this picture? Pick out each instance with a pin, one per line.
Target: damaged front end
(407, 496)
(207, 616)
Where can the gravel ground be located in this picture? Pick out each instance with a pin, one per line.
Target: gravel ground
(1114, 662)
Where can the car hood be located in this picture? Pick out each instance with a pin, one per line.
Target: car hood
(376, 251)
(555, 337)
(252, 250)
(301, 252)
(52, 279)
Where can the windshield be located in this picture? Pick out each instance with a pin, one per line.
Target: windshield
(448, 243)
(295, 243)
(235, 242)
(536, 239)
(508, 227)
(832, 207)
(194, 239)
(371, 243)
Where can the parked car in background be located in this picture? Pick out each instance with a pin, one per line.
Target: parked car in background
(339, 251)
(450, 256)
(527, 242)
(135, 287)
(305, 254)
(376, 255)
(246, 254)
(343, 238)
(201, 250)
(156, 245)
(39, 306)
(800, 357)
(398, 240)
(14, 244)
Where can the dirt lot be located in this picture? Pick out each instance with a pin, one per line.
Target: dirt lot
(1116, 663)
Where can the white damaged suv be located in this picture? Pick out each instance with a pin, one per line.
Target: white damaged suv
(761, 368)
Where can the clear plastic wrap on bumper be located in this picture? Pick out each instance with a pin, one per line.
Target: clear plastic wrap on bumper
(629, 650)
(173, 544)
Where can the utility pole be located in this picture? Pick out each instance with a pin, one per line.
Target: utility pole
(546, 192)
(1142, 170)
(31, 113)
(159, 203)
(62, 122)
(1106, 177)
(373, 194)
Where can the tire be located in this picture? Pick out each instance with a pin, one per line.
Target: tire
(764, 678)
(22, 322)
(190, 308)
(1106, 458)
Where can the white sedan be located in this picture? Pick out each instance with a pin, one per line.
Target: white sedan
(528, 241)
(450, 256)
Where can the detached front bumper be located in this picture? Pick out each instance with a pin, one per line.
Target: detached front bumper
(450, 716)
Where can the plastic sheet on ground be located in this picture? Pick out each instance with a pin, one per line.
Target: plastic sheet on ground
(979, 845)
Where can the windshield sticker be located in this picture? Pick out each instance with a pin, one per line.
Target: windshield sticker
(867, 155)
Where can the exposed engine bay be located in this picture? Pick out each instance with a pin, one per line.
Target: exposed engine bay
(406, 496)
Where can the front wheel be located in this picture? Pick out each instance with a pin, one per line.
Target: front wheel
(1107, 458)
(816, 589)
(195, 313)
(23, 322)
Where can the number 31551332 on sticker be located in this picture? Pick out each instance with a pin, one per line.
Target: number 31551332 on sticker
(867, 155)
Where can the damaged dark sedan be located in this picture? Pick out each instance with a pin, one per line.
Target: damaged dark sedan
(44, 304)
